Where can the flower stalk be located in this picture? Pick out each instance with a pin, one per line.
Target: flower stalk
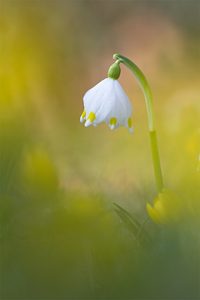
(150, 115)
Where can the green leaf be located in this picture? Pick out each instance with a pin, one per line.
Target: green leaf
(132, 224)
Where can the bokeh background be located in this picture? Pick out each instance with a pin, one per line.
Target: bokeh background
(62, 235)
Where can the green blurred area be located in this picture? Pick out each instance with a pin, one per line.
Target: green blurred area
(61, 236)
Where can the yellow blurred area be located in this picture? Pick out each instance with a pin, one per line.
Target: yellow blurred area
(39, 171)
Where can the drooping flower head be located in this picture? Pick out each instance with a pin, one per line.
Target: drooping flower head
(107, 102)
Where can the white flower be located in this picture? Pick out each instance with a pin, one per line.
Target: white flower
(107, 102)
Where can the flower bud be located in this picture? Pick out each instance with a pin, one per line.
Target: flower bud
(114, 71)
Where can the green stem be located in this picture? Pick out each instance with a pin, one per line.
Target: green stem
(151, 122)
(156, 161)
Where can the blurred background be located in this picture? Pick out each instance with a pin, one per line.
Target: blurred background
(61, 235)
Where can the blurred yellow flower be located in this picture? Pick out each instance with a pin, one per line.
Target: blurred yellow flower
(166, 208)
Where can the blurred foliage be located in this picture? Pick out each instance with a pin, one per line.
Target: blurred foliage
(73, 220)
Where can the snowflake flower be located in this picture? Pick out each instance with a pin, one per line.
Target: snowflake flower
(107, 102)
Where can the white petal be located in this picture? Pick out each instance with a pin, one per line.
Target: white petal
(100, 104)
(88, 123)
(82, 120)
(93, 98)
(124, 108)
(112, 127)
(131, 130)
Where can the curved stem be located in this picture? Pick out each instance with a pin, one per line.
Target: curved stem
(151, 122)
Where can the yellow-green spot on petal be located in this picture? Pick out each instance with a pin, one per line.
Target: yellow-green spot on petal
(113, 121)
(91, 117)
(83, 114)
(129, 122)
